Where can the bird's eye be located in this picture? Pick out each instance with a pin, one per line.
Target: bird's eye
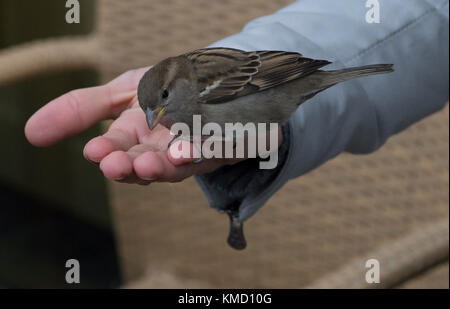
(165, 94)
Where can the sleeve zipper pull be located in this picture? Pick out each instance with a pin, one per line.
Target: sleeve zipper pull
(236, 237)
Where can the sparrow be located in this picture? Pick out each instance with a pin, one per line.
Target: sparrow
(226, 85)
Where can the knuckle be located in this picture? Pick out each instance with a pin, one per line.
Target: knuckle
(73, 101)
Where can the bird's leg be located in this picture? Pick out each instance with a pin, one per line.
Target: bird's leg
(173, 140)
(203, 138)
(189, 139)
(199, 160)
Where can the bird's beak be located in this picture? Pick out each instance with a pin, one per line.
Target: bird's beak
(154, 116)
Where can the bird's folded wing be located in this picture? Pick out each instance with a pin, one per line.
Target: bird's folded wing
(224, 74)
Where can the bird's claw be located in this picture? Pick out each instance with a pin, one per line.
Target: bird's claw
(172, 141)
(199, 160)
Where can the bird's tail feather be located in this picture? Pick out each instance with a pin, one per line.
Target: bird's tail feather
(337, 76)
(325, 79)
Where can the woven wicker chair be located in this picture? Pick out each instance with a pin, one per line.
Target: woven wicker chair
(391, 205)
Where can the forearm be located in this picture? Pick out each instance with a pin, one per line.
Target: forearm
(357, 116)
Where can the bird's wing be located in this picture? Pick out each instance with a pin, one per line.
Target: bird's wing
(224, 74)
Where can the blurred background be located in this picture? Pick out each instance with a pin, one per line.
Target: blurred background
(318, 231)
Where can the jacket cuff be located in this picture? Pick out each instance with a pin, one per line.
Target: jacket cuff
(245, 182)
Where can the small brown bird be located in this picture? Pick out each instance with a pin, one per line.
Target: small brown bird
(230, 85)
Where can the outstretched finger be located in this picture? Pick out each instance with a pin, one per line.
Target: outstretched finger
(77, 110)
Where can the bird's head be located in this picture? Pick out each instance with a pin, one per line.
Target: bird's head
(166, 90)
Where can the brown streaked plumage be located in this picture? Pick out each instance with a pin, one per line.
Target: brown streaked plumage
(242, 73)
(230, 85)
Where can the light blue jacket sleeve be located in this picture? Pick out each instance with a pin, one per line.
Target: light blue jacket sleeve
(360, 115)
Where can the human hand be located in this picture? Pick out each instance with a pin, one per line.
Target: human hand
(128, 152)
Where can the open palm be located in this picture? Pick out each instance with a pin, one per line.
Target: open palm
(128, 151)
